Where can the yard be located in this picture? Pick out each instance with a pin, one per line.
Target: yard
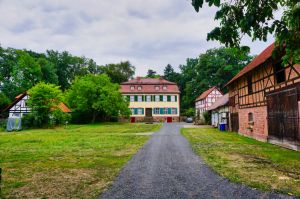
(79, 161)
(244, 160)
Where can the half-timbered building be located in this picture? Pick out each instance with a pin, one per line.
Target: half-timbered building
(206, 99)
(264, 99)
(18, 108)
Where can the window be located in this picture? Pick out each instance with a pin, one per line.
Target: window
(132, 98)
(174, 111)
(250, 117)
(156, 111)
(173, 98)
(164, 87)
(139, 88)
(156, 88)
(279, 71)
(165, 111)
(148, 98)
(249, 80)
(140, 111)
(157, 98)
(165, 98)
(140, 98)
(132, 88)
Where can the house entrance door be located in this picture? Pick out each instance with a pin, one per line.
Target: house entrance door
(283, 114)
(148, 112)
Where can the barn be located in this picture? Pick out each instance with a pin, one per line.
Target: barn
(264, 100)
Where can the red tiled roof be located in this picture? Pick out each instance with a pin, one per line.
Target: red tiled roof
(206, 93)
(17, 99)
(152, 81)
(64, 108)
(261, 58)
(148, 86)
(221, 101)
(61, 106)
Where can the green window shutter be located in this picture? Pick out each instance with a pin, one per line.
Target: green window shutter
(161, 111)
(135, 98)
(143, 111)
(143, 98)
(135, 111)
(169, 111)
(128, 98)
(169, 98)
(161, 98)
(175, 98)
(152, 98)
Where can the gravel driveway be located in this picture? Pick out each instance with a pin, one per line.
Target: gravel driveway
(166, 167)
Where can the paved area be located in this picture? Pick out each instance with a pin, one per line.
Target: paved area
(166, 167)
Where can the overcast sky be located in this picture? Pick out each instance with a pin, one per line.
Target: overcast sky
(148, 33)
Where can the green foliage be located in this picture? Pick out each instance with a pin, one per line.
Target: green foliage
(44, 100)
(120, 72)
(57, 117)
(4, 101)
(256, 19)
(190, 112)
(151, 74)
(97, 95)
(207, 117)
(215, 67)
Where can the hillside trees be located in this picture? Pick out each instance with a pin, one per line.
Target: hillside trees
(96, 96)
(215, 67)
(257, 19)
(118, 73)
(22, 69)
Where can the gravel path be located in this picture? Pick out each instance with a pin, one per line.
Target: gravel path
(166, 167)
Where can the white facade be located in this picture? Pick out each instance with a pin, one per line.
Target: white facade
(202, 105)
(219, 116)
(19, 109)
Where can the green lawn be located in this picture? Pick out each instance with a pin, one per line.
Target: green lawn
(74, 162)
(245, 160)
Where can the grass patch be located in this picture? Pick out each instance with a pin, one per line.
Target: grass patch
(79, 161)
(247, 161)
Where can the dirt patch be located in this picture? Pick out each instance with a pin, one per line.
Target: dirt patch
(61, 183)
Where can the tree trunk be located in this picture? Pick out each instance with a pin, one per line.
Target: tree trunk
(94, 117)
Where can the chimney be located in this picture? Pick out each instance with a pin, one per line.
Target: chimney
(138, 78)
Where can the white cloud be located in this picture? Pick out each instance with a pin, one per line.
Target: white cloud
(149, 33)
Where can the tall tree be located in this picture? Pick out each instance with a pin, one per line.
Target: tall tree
(170, 74)
(97, 95)
(151, 73)
(48, 71)
(257, 19)
(119, 72)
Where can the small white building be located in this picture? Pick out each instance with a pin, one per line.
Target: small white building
(220, 111)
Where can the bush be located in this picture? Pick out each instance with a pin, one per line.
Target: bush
(58, 117)
(207, 117)
(28, 121)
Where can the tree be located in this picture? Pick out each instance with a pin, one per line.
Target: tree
(170, 74)
(97, 95)
(25, 74)
(48, 71)
(256, 19)
(120, 72)
(44, 100)
(4, 101)
(151, 73)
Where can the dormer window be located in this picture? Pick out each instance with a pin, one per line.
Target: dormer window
(164, 87)
(132, 88)
(156, 88)
(139, 88)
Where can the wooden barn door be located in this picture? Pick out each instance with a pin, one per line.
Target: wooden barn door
(234, 122)
(283, 115)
